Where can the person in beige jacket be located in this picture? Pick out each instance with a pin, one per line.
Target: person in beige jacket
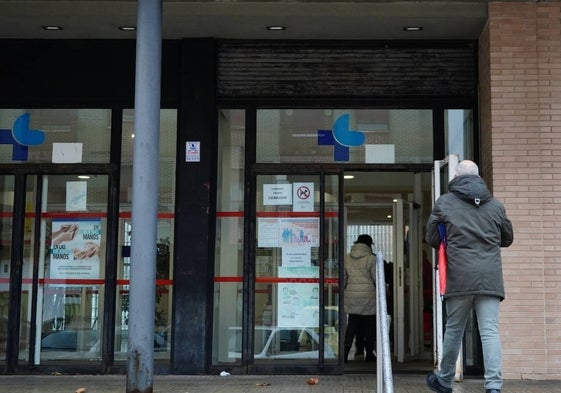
(360, 295)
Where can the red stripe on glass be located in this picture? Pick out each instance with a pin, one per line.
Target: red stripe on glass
(159, 215)
(278, 280)
(229, 214)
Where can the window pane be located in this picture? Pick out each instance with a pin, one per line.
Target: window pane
(6, 210)
(165, 235)
(228, 280)
(458, 125)
(39, 134)
(344, 135)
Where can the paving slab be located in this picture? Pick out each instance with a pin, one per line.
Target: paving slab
(348, 383)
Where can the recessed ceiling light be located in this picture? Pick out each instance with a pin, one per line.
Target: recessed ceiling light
(127, 28)
(276, 27)
(412, 28)
(51, 27)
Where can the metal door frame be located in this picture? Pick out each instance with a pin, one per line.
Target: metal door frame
(447, 163)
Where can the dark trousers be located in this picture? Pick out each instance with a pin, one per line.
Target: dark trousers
(366, 325)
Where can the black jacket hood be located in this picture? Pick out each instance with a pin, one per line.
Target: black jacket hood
(471, 189)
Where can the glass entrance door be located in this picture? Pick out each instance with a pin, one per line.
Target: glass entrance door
(296, 287)
(72, 269)
(60, 233)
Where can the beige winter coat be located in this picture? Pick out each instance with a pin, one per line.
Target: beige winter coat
(360, 281)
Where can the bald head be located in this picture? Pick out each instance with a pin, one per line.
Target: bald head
(467, 167)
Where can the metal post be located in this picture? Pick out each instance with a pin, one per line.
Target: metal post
(140, 356)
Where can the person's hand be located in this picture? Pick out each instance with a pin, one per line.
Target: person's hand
(90, 249)
(67, 232)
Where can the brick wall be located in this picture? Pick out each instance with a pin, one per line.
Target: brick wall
(520, 59)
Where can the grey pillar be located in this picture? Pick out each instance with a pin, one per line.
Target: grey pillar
(140, 367)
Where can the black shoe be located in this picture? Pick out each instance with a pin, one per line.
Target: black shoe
(493, 391)
(435, 386)
(370, 358)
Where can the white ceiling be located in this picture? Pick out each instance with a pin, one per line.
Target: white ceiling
(247, 19)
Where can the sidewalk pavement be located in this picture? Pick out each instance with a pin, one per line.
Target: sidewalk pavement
(348, 383)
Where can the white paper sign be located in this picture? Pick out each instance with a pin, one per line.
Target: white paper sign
(267, 232)
(379, 154)
(296, 256)
(76, 195)
(67, 153)
(277, 194)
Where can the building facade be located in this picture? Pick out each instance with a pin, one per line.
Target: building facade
(256, 212)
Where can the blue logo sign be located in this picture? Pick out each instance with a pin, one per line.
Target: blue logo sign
(20, 137)
(341, 138)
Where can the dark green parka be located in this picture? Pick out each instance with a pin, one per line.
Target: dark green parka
(476, 227)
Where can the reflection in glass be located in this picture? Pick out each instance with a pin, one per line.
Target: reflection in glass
(89, 128)
(6, 208)
(287, 268)
(344, 135)
(73, 241)
(458, 124)
(165, 235)
(228, 283)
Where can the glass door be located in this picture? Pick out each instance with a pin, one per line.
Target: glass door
(52, 266)
(17, 268)
(72, 269)
(443, 172)
(6, 230)
(297, 270)
(408, 276)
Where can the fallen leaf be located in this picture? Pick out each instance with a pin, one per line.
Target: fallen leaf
(263, 384)
(81, 390)
(313, 381)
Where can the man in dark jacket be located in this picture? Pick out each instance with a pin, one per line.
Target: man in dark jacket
(476, 227)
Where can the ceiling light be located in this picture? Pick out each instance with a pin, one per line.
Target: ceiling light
(127, 28)
(412, 28)
(83, 177)
(348, 177)
(276, 27)
(51, 27)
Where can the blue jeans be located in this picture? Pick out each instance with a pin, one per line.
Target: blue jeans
(458, 310)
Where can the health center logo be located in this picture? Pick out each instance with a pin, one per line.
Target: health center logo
(21, 137)
(341, 138)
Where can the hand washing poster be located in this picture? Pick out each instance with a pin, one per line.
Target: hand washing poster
(75, 248)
